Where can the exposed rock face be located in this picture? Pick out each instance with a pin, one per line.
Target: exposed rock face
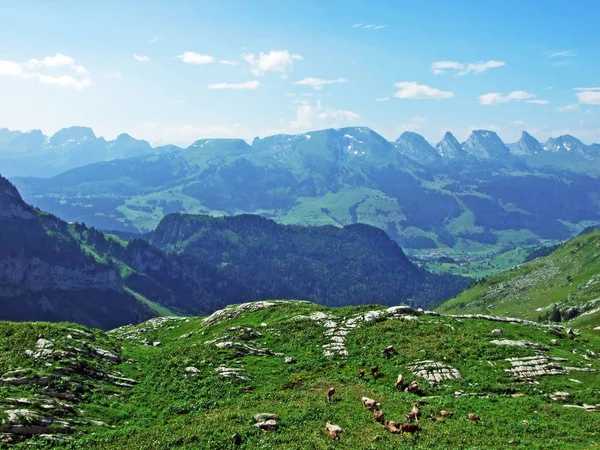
(233, 311)
(22, 274)
(11, 204)
(232, 372)
(534, 366)
(437, 372)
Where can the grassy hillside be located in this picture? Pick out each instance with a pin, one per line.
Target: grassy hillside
(564, 285)
(193, 383)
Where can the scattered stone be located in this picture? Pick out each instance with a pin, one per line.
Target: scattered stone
(265, 416)
(289, 360)
(231, 372)
(269, 425)
(526, 344)
(114, 359)
(533, 366)
(560, 396)
(497, 331)
(246, 349)
(184, 336)
(589, 408)
(437, 372)
(554, 342)
(156, 344)
(233, 311)
(192, 370)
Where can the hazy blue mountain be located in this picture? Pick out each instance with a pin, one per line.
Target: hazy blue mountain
(486, 145)
(33, 154)
(450, 149)
(415, 146)
(527, 145)
(480, 195)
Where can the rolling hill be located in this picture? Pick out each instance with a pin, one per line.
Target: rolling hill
(54, 270)
(562, 286)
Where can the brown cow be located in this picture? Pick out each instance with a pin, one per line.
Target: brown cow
(330, 393)
(379, 416)
(374, 371)
(409, 428)
(334, 431)
(400, 382)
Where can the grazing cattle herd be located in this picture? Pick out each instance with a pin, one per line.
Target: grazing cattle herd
(412, 417)
(379, 416)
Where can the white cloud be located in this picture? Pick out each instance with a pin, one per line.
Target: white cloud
(588, 96)
(196, 58)
(442, 67)
(236, 86)
(10, 68)
(496, 98)
(562, 54)
(114, 75)
(382, 99)
(155, 39)
(356, 25)
(520, 95)
(493, 98)
(369, 26)
(379, 27)
(411, 89)
(318, 83)
(274, 61)
(79, 69)
(308, 117)
(568, 108)
(228, 62)
(141, 58)
(149, 125)
(587, 89)
(66, 81)
(51, 62)
(36, 69)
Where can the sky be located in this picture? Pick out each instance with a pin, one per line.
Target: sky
(178, 71)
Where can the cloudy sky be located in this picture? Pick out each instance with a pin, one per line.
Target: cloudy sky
(173, 72)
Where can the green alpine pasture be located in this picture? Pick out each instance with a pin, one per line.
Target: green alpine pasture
(181, 401)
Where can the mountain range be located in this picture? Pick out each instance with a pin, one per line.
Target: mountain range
(34, 154)
(57, 271)
(478, 195)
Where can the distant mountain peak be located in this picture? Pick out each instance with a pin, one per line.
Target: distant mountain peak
(566, 142)
(416, 147)
(449, 147)
(527, 145)
(72, 134)
(485, 145)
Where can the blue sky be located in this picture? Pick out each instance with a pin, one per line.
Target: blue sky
(173, 72)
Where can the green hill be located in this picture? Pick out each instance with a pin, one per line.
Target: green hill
(56, 271)
(562, 286)
(193, 383)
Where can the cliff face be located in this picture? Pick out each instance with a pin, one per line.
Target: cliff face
(46, 275)
(21, 274)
